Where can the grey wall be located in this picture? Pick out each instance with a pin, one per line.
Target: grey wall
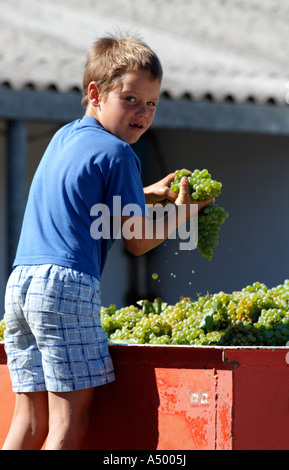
(3, 260)
(115, 276)
(254, 240)
(253, 245)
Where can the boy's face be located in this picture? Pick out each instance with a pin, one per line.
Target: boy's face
(128, 110)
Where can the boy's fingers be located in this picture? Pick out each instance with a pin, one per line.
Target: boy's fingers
(203, 204)
(183, 193)
(169, 178)
(171, 195)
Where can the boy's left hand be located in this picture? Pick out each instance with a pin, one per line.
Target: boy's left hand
(160, 192)
(185, 198)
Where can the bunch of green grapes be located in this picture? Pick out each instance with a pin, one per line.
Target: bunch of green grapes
(2, 328)
(203, 187)
(209, 222)
(114, 320)
(253, 316)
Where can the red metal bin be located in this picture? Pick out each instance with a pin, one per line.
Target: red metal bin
(183, 397)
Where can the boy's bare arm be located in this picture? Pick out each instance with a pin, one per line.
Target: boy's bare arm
(142, 226)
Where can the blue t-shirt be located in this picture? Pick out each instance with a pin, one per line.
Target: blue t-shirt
(83, 165)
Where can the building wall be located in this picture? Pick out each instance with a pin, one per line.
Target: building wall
(253, 241)
(114, 281)
(253, 244)
(3, 248)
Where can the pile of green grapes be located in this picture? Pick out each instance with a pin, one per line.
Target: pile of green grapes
(203, 187)
(2, 328)
(254, 316)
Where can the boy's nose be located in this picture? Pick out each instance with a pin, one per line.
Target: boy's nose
(142, 110)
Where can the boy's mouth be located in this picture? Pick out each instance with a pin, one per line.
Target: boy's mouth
(137, 125)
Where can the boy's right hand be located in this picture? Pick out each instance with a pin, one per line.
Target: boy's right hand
(185, 198)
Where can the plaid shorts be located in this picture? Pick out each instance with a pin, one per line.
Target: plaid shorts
(54, 339)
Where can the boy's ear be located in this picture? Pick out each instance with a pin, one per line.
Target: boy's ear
(93, 94)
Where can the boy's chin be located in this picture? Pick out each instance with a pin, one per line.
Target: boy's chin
(133, 141)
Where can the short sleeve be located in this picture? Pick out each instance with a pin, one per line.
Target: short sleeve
(124, 185)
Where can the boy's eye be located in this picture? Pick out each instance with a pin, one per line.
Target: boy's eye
(131, 99)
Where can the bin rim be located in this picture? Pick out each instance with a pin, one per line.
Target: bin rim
(187, 346)
(194, 346)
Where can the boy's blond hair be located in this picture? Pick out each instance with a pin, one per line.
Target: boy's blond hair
(111, 57)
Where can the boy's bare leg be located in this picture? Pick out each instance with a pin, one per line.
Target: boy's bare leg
(29, 425)
(68, 419)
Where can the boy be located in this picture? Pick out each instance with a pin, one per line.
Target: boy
(56, 348)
